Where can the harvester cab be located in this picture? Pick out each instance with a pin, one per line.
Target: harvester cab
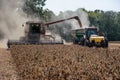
(35, 33)
(90, 37)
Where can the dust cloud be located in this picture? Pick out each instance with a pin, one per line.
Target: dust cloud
(11, 19)
(83, 16)
(65, 28)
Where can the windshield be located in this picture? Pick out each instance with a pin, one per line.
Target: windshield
(90, 32)
(34, 28)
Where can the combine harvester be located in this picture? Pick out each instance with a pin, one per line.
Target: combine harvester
(35, 33)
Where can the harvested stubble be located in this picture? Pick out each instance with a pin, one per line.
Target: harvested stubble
(63, 62)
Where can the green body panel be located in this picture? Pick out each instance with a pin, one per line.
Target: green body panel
(79, 36)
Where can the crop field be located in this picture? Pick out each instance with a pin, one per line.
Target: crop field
(60, 62)
(66, 62)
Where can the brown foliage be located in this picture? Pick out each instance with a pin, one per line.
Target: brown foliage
(63, 62)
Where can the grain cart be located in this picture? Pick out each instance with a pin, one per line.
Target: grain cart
(89, 37)
(35, 33)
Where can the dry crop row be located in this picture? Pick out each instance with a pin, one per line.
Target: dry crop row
(63, 62)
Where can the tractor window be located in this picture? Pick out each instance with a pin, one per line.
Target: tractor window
(34, 28)
(90, 32)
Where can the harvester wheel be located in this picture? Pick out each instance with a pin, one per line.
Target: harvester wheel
(8, 44)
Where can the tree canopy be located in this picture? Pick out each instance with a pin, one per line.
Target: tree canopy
(36, 8)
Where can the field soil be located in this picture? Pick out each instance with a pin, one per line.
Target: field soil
(7, 66)
(114, 45)
(60, 62)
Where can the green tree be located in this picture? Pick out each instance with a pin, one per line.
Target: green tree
(36, 8)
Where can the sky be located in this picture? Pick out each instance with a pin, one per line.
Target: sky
(62, 5)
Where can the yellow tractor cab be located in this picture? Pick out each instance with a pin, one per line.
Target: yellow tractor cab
(90, 37)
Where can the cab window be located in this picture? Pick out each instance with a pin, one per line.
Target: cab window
(91, 32)
(34, 28)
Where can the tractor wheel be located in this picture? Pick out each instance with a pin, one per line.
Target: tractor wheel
(87, 43)
(104, 44)
(83, 42)
(90, 45)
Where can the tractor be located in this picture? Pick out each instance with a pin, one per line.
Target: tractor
(90, 37)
